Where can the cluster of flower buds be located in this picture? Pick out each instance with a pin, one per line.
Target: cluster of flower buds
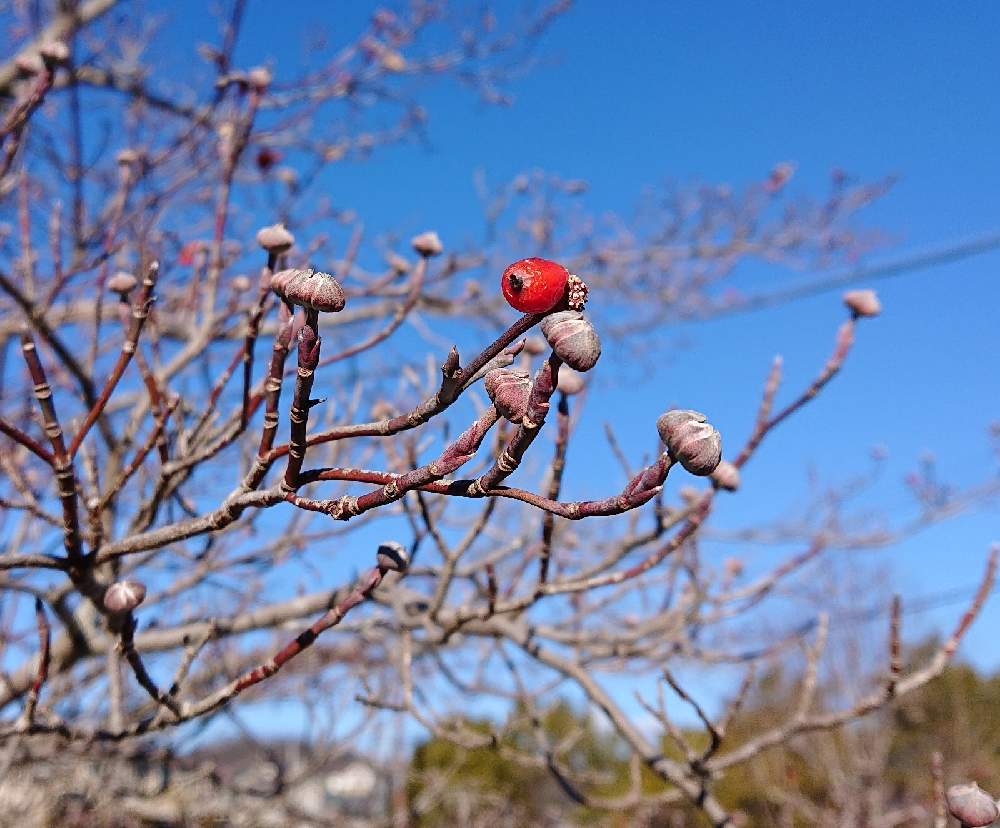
(309, 288)
(691, 440)
(573, 339)
(509, 390)
(971, 805)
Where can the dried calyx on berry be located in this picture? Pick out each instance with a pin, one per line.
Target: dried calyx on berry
(691, 440)
(534, 285)
(309, 288)
(508, 390)
(971, 805)
(124, 596)
(275, 238)
(573, 339)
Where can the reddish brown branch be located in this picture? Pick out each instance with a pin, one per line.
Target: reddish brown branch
(25, 440)
(140, 312)
(42, 673)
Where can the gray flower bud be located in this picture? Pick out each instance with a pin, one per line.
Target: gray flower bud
(275, 238)
(863, 302)
(124, 596)
(570, 382)
(29, 64)
(691, 440)
(573, 339)
(971, 805)
(310, 289)
(260, 77)
(726, 476)
(508, 390)
(535, 345)
(54, 52)
(397, 263)
(392, 557)
(122, 282)
(427, 244)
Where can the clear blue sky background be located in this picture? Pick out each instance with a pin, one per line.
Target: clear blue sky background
(639, 92)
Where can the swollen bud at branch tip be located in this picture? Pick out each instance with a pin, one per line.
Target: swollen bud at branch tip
(691, 440)
(122, 283)
(54, 52)
(310, 289)
(275, 238)
(726, 476)
(573, 339)
(535, 346)
(392, 557)
(570, 382)
(124, 596)
(863, 302)
(508, 390)
(971, 805)
(427, 244)
(30, 63)
(260, 78)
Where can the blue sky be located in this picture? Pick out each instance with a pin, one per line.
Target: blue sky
(627, 95)
(637, 93)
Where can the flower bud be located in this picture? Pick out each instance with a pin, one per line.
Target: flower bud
(30, 63)
(260, 78)
(573, 339)
(508, 390)
(397, 263)
(54, 52)
(726, 476)
(275, 238)
(570, 382)
(691, 440)
(392, 61)
(128, 156)
(689, 494)
(427, 244)
(392, 557)
(863, 302)
(124, 596)
(241, 283)
(310, 289)
(971, 805)
(535, 345)
(122, 282)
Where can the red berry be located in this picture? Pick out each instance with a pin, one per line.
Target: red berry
(534, 285)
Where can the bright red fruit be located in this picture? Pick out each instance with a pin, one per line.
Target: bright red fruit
(534, 285)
